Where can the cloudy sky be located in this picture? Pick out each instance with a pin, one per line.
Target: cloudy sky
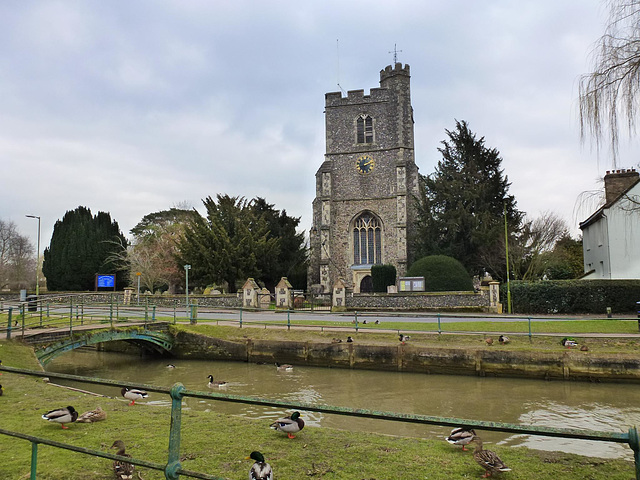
(135, 107)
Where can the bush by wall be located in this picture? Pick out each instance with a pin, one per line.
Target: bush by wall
(441, 274)
(573, 296)
(382, 276)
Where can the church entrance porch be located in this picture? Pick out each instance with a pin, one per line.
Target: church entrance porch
(362, 282)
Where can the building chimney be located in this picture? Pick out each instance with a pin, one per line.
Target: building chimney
(616, 182)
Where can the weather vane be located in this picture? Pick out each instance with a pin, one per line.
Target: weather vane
(395, 53)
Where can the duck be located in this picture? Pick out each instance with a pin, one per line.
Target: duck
(568, 342)
(349, 339)
(1, 390)
(61, 416)
(489, 341)
(289, 425)
(92, 416)
(461, 436)
(503, 339)
(284, 367)
(213, 384)
(488, 459)
(133, 394)
(403, 338)
(123, 470)
(171, 365)
(260, 470)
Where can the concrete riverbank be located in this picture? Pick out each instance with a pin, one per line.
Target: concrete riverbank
(563, 364)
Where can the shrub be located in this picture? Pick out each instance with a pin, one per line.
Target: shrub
(573, 296)
(441, 274)
(382, 276)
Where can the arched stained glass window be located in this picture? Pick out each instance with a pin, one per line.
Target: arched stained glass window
(364, 129)
(367, 240)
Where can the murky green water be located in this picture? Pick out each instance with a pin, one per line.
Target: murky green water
(597, 406)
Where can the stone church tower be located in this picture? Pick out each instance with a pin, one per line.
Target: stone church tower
(364, 212)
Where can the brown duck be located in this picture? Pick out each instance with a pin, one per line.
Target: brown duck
(488, 460)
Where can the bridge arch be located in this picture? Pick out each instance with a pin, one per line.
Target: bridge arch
(163, 342)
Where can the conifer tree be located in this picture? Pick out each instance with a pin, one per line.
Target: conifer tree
(81, 245)
(461, 208)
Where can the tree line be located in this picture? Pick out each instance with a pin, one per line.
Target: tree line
(465, 211)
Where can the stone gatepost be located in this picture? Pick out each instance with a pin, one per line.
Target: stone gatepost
(494, 297)
(128, 291)
(284, 294)
(265, 299)
(339, 296)
(250, 291)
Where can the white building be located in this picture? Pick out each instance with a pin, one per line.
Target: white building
(611, 236)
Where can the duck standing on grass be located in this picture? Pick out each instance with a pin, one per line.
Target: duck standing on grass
(461, 436)
(133, 394)
(403, 338)
(284, 367)
(289, 425)
(122, 470)
(62, 416)
(488, 460)
(260, 470)
(214, 384)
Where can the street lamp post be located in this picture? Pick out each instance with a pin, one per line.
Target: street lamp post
(37, 256)
(186, 276)
(138, 274)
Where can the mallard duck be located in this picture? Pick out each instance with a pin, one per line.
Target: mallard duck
(489, 341)
(461, 436)
(213, 384)
(171, 365)
(260, 470)
(503, 339)
(284, 367)
(349, 339)
(92, 416)
(123, 470)
(289, 425)
(488, 460)
(62, 416)
(133, 394)
(403, 338)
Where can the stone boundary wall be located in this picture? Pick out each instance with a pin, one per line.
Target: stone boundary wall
(168, 301)
(565, 365)
(418, 300)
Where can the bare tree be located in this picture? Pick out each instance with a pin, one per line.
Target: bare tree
(17, 258)
(536, 238)
(610, 92)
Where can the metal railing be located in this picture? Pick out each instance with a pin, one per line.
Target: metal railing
(173, 469)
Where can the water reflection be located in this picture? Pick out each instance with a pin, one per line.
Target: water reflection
(606, 407)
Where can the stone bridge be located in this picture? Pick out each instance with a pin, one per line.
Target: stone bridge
(155, 339)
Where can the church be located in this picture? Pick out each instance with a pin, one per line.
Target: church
(364, 208)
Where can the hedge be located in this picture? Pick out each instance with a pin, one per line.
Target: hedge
(383, 276)
(573, 296)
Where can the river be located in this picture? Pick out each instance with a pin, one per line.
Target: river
(596, 406)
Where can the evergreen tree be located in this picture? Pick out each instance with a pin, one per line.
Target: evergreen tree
(291, 261)
(81, 246)
(462, 205)
(224, 246)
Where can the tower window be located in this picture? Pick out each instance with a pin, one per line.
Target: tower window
(364, 129)
(367, 240)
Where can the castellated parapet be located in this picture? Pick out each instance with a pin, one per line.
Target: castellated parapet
(398, 69)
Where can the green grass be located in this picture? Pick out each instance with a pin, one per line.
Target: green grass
(596, 345)
(217, 444)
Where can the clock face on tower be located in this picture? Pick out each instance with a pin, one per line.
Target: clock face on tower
(365, 164)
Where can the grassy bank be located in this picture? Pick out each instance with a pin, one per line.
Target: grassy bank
(217, 444)
(596, 345)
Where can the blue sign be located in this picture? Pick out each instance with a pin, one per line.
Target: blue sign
(106, 281)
